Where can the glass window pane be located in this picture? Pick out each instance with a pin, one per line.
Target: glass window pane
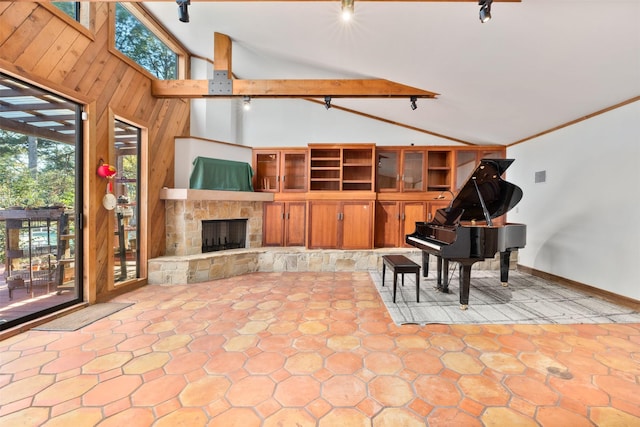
(139, 43)
(126, 190)
(388, 173)
(413, 171)
(71, 8)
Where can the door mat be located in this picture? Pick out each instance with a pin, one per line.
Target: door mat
(527, 300)
(81, 318)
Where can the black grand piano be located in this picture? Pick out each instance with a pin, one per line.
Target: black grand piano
(464, 231)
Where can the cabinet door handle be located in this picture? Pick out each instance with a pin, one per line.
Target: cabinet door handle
(288, 215)
(403, 217)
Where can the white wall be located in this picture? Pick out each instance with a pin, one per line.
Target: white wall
(583, 223)
(295, 123)
(187, 149)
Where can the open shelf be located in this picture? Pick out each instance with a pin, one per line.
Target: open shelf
(439, 170)
(341, 167)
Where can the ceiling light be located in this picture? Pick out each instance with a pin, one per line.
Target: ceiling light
(327, 102)
(183, 10)
(485, 10)
(348, 8)
(413, 102)
(246, 103)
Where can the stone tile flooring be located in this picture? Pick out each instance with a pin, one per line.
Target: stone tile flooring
(312, 349)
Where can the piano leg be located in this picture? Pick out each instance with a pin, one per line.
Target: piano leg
(425, 264)
(465, 281)
(504, 267)
(443, 264)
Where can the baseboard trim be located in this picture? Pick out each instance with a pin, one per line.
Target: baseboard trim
(601, 293)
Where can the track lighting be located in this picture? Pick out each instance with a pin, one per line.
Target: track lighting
(183, 10)
(327, 102)
(348, 8)
(485, 10)
(413, 102)
(246, 103)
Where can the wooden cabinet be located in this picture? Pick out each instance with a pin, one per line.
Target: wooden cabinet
(466, 161)
(283, 223)
(347, 167)
(357, 196)
(401, 170)
(280, 170)
(340, 224)
(394, 220)
(433, 206)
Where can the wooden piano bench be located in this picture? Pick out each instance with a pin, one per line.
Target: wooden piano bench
(400, 264)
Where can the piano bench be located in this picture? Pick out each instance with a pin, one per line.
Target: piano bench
(400, 264)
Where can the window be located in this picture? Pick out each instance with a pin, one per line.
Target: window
(71, 8)
(126, 145)
(143, 46)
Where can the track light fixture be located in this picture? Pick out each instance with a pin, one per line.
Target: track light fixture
(485, 10)
(327, 102)
(183, 10)
(414, 99)
(246, 103)
(348, 8)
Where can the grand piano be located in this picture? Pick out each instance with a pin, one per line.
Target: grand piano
(464, 231)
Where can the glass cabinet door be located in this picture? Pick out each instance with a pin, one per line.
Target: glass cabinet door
(466, 161)
(388, 172)
(267, 178)
(294, 176)
(413, 170)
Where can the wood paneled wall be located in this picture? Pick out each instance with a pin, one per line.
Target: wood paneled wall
(43, 47)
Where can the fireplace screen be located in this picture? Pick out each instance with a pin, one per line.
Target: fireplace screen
(222, 234)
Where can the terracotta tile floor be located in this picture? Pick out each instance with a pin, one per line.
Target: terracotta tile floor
(312, 349)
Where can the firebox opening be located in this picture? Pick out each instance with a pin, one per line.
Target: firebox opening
(222, 234)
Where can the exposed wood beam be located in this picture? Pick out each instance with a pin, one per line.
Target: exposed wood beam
(222, 53)
(358, 88)
(225, 85)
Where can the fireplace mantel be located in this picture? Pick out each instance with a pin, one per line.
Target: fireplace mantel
(214, 195)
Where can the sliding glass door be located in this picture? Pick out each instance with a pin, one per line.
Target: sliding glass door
(40, 236)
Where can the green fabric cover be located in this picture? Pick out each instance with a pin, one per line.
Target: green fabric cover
(216, 174)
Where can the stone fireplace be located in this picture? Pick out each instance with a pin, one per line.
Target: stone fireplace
(187, 209)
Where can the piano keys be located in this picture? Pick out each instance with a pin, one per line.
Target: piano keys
(464, 231)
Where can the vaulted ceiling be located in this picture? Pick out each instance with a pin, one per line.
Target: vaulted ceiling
(537, 65)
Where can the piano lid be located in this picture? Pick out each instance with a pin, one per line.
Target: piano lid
(498, 196)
